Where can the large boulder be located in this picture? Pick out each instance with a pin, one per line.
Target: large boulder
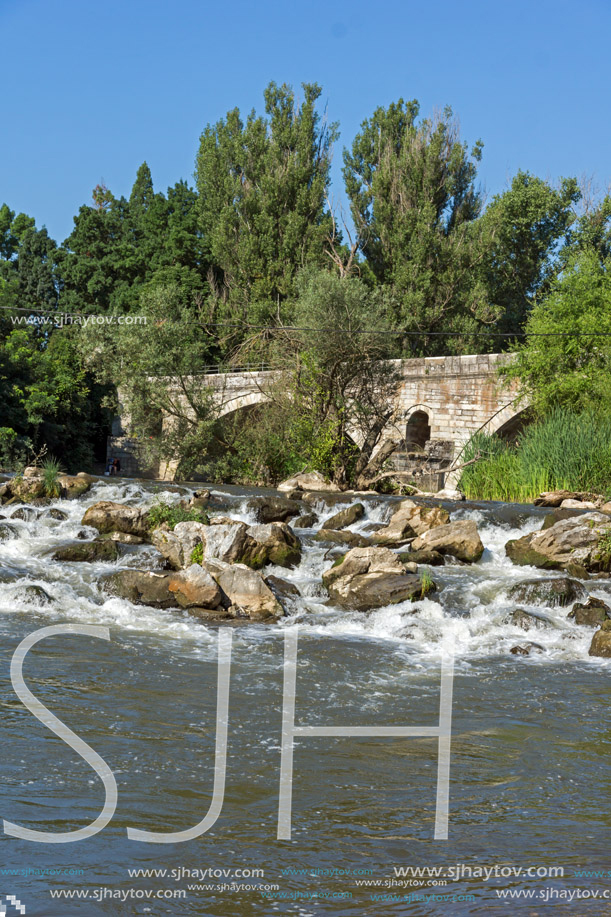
(73, 486)
(29, 486)
(345, 517)
(106, 516)
(601, 641)
(230, 542)
(247, 592)
(370, 578)
(307, 521)
(593, 613)
(195, 588)
(98, 550)
(552, 592)
(460, 539)
(308, 480)
(583, 540)
(525, 620)
(554, 497)
(141, 587)
(408, 521)
(273, 509)
(281, 545)
(431, 558)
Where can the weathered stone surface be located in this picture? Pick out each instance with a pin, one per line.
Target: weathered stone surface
(307, 521)
(601, 641)
(28, 487)
(274, 509)
(448, 494)
(106, 516)
(593, 613)
(74, 485)
(525, 649)
(308, 480)
(345, 517)
(431, 558)
(461, 539)
(281, 545)
(281, 587)
(247, 591)
(554, 497)
(351, 538)
(58, 514)
(123, 538)
(371, 578)
(194, 587)
(574, 540)
(551, 592)
(578, 504)
(408, 521)
(140, 587)
(525, 620)
(177, 545)
(99, 550)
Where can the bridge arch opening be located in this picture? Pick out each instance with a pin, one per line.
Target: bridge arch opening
(417, 431)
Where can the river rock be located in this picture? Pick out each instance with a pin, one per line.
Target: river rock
(345, 517)
(273, 509)
(141, 587)
(350, 538)
(247, 591)
(593, 613)
(282, 547)
(281, 587)
(574, 540)
(123, 538)
(578, 504)
(525, 620)
(431, 558)
(7, 532)
(25, 513)
(106, 516)
(32, 593)
(58, 514)
(555, 497)
(307, 521)
(408, 521)
(99, 550)
(461, 539)
(371, 578)
(194, 587)
(525, 649)
(601, 641)
(557, 592)
(28, 487)
(74, 485)
(308, 480)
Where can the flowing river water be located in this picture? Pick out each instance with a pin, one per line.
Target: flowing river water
(529, 775)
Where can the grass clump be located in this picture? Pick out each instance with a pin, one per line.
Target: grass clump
(51, 470)
(197, 554)
(161, 512)
(426, 584)
(564, 451)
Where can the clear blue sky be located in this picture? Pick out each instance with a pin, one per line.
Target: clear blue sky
(92, 89)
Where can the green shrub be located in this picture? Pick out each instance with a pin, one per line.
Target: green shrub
(565, 451)
(161, 512)
(51, 470)
(197, 554)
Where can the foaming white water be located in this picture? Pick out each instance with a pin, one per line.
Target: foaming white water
(471, 609)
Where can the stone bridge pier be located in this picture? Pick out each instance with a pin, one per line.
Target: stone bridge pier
(440, 403)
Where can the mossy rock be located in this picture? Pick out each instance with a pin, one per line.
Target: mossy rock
(89, 551)
(557, 592)
(519, 551)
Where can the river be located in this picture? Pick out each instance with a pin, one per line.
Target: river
(529, 775)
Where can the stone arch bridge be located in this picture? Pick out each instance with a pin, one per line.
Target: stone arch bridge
(440, 403)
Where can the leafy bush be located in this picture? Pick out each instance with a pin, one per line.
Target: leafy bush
(161, 512)
(197, 554)
(566, 451)
(13, 449)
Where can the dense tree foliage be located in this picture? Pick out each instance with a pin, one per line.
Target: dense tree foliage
(229, 270)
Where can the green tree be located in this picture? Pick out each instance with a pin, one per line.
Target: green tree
(415, 205)
(522, 231)
(557, 366)
(262, 189)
